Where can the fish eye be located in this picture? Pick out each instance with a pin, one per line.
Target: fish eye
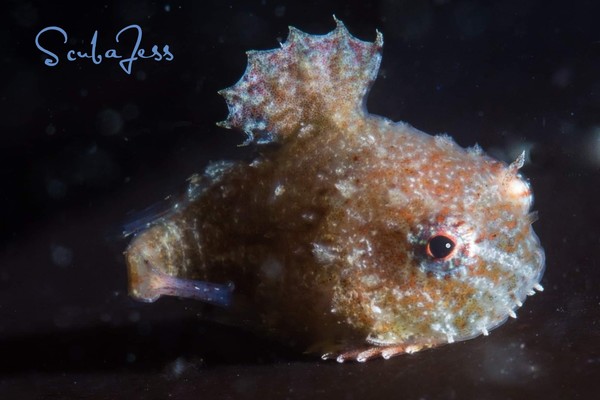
(440, 247)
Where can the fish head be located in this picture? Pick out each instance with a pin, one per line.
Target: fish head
(451, 253)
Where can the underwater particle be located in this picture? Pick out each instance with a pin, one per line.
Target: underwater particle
(562, 77)
(180, 366)
(61, 256)
(109, 122)
(56, 188)
(50, 129)
(349, 235)
(508, 364)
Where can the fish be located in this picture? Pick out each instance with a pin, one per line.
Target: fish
(348, 236)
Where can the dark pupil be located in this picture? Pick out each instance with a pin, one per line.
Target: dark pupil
(440, 246)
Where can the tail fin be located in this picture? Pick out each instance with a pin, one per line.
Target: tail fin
(158, 264)
(311, 81)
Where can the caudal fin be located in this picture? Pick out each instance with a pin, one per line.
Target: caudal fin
(161, 262)
(310, 83)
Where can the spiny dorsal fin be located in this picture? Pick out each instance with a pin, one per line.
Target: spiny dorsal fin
(310, 81)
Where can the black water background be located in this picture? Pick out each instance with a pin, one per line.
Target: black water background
(82, 146)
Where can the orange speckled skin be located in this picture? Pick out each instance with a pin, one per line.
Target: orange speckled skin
(325, 235)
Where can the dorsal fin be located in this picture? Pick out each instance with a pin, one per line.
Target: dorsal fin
(310, 81)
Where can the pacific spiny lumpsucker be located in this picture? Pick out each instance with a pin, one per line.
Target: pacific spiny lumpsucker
(349, 235)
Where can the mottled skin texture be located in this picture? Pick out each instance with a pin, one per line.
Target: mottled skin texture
(325, 235)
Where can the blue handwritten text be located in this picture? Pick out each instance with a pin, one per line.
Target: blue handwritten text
(126, 60)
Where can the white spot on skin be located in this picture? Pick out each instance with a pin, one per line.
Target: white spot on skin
(346, 188)
(309, 216)
(279, 190)
(324, 254)
(443, 141)
(371, 280)
(397, 197)
(173, 236)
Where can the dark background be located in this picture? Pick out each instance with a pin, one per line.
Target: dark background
(84, 147)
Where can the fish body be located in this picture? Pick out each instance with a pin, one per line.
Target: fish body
(350, 235)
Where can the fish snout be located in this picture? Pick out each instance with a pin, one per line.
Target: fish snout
(517, 190)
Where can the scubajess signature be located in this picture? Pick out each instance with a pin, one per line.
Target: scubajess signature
(126, 58)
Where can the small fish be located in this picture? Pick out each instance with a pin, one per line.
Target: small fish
(350, 236)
